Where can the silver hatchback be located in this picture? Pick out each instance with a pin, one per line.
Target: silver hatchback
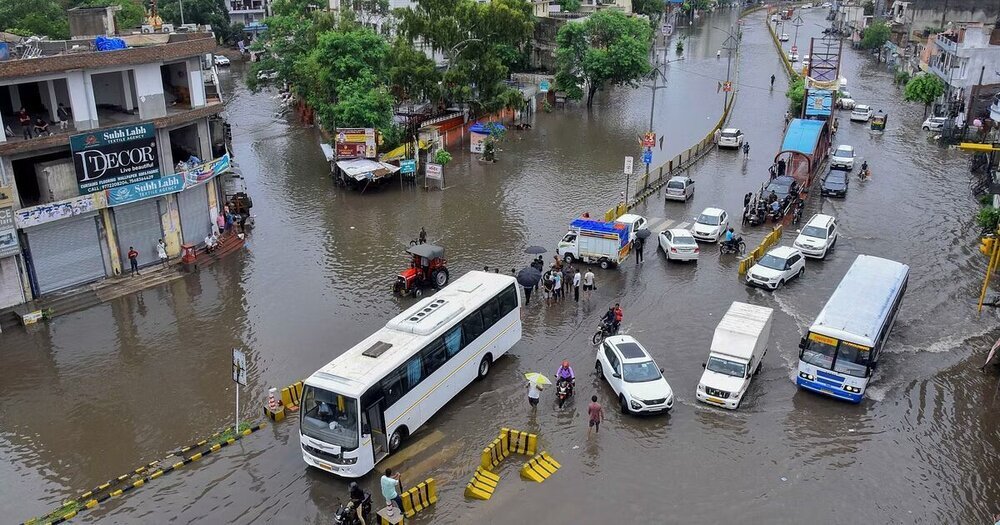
(679, 188)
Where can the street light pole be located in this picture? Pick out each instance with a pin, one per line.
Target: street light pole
(729, 45)
(657, 74)
(181, 2)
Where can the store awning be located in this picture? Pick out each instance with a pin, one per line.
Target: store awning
(361, 169)
(400, 152)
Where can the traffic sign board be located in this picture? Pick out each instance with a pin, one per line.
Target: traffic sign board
(407, 166)
(795, 49)
(543, 86)
(647, 156)
(628, 165)
(239, 367)
(649, 140)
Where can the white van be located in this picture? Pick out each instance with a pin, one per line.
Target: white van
(738, 348)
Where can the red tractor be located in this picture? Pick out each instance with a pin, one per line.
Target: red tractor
(427, 269)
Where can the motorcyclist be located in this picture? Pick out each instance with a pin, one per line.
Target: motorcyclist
(357, 502)
(775, 207)
(565, 373)
(619, 315)
(864, 170)
(730, 238)
(609, 320)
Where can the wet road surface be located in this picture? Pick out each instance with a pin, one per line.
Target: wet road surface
(92, 395)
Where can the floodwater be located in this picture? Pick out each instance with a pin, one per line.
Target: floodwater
(92, 395)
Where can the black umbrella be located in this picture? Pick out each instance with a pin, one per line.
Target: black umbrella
(643, 233)
(528, 277)
(535, 250)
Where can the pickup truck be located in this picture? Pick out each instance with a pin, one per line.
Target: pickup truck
(738, 348)
(606, 244)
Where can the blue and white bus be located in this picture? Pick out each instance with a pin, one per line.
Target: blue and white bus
(843, 345)
(360, 407)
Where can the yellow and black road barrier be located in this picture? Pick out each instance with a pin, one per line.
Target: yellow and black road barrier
(419, 497)
(769, 240)
(539, 467)
(127, 482)
(277, 405)
(484, 481)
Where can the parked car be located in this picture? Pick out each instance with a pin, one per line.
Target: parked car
(843, 157)
(793, 57)
(835, 183)
(679, 245)
(783, 37)
(826, 4)
(633, 376)
(782, 186)
(934, 124)
(679, 188)
(710, 225)
(818, 236)
(220, 60)
(807, 6)
(861, 113)
(777, 267)
(731, 138)
(845, 103)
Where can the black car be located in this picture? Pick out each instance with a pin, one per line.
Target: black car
(835, 183)
(782, 186)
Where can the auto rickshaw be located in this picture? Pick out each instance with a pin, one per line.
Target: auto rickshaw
(427, 269)
(879, 120)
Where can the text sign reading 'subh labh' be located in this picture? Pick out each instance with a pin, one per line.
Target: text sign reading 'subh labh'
(115, 157)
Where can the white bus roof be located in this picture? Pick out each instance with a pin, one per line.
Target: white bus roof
(860, 304)
(385, 350)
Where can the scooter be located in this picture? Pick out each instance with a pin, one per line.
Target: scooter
(347, 515)
(564, 389)
(758, 216)
(735, 246)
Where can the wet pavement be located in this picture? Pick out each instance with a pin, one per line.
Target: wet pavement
(95, 394)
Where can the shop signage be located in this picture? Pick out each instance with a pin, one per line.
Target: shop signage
(6, 195)
(543, 86)
(145, 190)
(356, 142)
(53, 211)
(8, 233)
(433, 171)
(115, 157)
(205, 171)
(407, 166)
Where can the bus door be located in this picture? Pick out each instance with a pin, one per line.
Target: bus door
(376, 423)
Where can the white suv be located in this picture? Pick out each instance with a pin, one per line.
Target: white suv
(818, 236)
(731, 138)
(634, 376)
(843, 157)
(777, 267)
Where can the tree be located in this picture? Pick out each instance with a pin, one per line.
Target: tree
(925, 88)
(210, 12)
(36, 17)
(796, 94)
(651, 8)
(608, 48)
(570, 6)
(875, 35)
(413, 76)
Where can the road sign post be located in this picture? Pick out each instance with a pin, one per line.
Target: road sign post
(629, 161)
(240, 378)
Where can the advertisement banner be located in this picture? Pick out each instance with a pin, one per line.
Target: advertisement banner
(8, 235)
(203, 172)
(43, 213)
(145, 190)
(115, 157)
(356, 142)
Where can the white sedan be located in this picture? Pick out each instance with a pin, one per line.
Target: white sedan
(784, 37)
(779, 266)
(220, 60)
(679, 245)
(710, 225)
(633, 375)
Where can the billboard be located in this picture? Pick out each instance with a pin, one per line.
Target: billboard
(356, 143)
(115, 157)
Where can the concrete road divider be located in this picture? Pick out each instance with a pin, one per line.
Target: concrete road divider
(482, 484)
(539, 467)
(419, 497)
(510, 441)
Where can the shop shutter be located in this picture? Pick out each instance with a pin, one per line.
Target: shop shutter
(66, 253)
(138, 225)
(193, 206)
(10, 283)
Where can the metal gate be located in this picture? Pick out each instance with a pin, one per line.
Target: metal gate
(10, 283)
(66, 252)
(193, 206)
(138, 225)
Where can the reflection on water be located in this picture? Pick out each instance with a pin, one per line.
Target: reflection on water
(94, 394)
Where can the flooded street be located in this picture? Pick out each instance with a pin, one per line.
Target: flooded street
(92, 395)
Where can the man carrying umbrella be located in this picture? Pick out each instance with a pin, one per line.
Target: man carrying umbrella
(640, 243)
(535, 383)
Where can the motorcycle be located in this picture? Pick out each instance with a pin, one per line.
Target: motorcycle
(347, 515)
(758, 216)
(798, 211)
(564, 389)
(864, 174)
(603, 330)
(735, 246)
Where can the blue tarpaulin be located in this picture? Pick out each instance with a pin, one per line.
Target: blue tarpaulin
(617, 229)
(802, 136)
(104, 43)
(484, 129)
(819, 103)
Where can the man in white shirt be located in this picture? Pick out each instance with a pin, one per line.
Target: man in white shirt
(534, 392)
(588, 283)
(576, 285)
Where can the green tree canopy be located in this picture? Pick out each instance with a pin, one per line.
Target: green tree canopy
(924, 88)
(608, 48)
(875, 35)
(796, 94)
(49, 17)
(412, 75)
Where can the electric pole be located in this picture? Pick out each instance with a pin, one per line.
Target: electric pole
(730, 45)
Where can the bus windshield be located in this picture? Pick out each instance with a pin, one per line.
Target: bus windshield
(819, 351)
(852, 359)
(330, 418)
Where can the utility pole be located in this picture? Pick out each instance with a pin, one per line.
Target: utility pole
(656, 74)
(797, 23)
(181, 2)
(730, 45)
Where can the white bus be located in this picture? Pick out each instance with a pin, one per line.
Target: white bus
(360, 407)
(843, 345)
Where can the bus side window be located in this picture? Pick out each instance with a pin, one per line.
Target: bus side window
(508, 300)
(433, 356)
(472, 327)
(453, 341)
(414, 372)
(394, 386)
(491, 313)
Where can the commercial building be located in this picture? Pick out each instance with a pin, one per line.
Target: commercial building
(250, 13)
(967, 59)
(103, 151)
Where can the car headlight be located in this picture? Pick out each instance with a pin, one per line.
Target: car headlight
(807, 377)
(701, 387)
(734, 395)
(635, 405)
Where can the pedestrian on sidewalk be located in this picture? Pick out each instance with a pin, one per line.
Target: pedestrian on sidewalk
(588, 283)
(422, 237)
(527, 295)
(746, 150)
(133, 260)
(640, 244)
(220, 222)
(391, 487)
(557, 262)
(596, 413)
(534, 392)
(576, 285)
(717, 135)
(161, 252)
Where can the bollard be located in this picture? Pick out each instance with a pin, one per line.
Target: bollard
(274, 410)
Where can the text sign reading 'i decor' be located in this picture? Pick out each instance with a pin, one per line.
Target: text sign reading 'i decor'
(115, 157)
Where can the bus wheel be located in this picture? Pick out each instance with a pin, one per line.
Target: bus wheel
(484, 367)
(395, 440)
